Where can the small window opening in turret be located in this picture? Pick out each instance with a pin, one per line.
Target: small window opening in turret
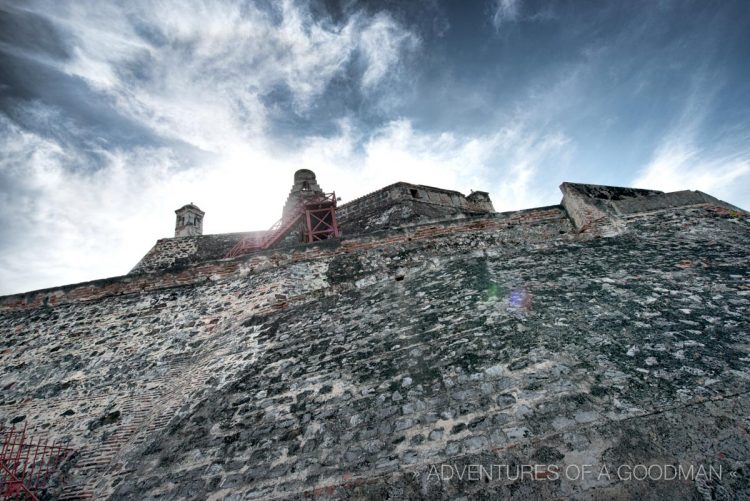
(414, 193)
(305, 186)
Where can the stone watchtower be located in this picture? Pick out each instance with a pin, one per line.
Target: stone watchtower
(189, 221)
(305, 185)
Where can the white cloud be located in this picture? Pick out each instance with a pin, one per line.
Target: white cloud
(505, 162)
(65, 222)
(383, 42)
(682, 162)
(677, 167)
(505, 11)
(198, 71)
(195, 71)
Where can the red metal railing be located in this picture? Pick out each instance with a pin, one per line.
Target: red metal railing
(26, 464)
(318, 215)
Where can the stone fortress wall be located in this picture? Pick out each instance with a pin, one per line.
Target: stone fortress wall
(176, 252)
(404, 203)
(572, 334)
(390, 207)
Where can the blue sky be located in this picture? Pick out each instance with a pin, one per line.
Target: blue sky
(113, 114)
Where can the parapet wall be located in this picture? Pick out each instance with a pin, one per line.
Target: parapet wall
(666, 201)
(600, 209)
(391, 207)
(404, 203)
(603, 209)
(611, 193)
(176, 252)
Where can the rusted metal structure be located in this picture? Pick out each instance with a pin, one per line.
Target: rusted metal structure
(313, 215)
(26, 464)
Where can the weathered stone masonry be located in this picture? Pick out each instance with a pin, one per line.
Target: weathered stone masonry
(346, 369)
(404, 203)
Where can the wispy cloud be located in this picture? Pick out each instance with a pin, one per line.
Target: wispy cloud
(682, 165)
(62, 224)
(505, 162)
(383, 43)
(505, 11)
(199, 71)
(682, 161)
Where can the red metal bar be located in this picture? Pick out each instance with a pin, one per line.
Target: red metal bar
(324, 227)
(15, 462)
(309, 233)
(321, 220)
(323, 223)
(10, 465)
(32, 481)
(22, 477)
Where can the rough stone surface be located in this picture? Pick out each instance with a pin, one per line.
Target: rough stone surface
(666, 201)
(403, 203)
(355, 369)
(169, 253)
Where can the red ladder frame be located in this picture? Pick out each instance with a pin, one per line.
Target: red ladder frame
(317, 215)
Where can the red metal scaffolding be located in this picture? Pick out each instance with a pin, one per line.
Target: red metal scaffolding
(26, 464)
(314, 215)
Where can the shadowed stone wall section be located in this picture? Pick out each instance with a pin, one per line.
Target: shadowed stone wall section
(603, 209)
(667, 201)
(584, 209)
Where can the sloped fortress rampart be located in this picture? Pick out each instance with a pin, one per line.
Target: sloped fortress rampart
(430, 345)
